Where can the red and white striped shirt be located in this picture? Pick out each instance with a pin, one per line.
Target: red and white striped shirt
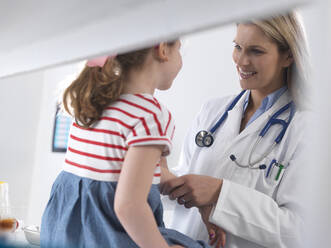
(98, 152)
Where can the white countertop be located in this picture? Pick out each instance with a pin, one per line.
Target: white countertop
(18, 239)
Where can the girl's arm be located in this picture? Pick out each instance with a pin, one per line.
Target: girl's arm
(131, 206)
(165, 173)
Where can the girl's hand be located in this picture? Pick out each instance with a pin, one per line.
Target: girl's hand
(216, 234)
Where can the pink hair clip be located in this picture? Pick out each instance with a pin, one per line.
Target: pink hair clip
(99, 61)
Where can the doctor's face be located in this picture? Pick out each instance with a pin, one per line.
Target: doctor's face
(259, 63)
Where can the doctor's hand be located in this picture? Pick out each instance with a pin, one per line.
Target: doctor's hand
(193, 190)
(217, 236)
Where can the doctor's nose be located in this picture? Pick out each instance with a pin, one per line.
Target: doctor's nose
(241, 59)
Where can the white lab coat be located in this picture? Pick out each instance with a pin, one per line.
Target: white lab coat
(254, 210)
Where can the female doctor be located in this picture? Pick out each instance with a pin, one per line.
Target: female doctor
(240, 159)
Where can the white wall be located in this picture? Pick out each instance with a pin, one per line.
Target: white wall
(318, 23)
(20, 101)
(47, 164)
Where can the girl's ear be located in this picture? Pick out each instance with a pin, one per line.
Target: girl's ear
(161, 52)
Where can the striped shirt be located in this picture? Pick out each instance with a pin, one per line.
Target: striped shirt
(98, 152)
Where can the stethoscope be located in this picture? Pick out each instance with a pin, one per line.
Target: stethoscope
(205, 138)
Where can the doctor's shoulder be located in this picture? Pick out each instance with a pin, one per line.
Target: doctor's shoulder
(300, 130)
(302, 120)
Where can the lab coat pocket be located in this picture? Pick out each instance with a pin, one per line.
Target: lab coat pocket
(270, 177)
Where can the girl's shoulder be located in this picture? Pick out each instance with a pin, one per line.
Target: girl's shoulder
(141, 107)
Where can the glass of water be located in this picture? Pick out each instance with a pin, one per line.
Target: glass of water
(8, 223)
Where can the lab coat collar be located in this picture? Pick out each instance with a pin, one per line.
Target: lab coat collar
(233, 121)
(266, 104)
(236, 114)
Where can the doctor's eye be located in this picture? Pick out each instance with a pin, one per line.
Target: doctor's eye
(236, 46)
(257, 51)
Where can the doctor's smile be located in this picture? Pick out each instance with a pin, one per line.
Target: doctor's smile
(245, 74)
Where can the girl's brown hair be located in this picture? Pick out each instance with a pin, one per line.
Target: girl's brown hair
(96, 87)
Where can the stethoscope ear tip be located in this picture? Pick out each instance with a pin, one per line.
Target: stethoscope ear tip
(232, 157)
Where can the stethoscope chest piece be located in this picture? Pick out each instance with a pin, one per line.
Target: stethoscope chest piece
(204, 139)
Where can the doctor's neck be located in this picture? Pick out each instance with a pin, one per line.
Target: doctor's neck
(257, 96)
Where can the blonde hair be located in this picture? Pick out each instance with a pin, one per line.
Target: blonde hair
(288, 33)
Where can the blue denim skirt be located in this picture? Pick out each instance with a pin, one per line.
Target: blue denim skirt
(80, 213)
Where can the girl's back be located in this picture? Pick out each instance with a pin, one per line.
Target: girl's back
(134, 119)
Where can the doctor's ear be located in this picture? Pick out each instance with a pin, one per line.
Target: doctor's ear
(161, 52)
(288, 59)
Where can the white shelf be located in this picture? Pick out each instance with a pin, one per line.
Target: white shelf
(39, 34)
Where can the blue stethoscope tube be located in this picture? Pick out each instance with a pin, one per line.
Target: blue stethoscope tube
(273, 120)
(205, 138)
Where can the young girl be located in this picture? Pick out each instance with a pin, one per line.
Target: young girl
(106, 195)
